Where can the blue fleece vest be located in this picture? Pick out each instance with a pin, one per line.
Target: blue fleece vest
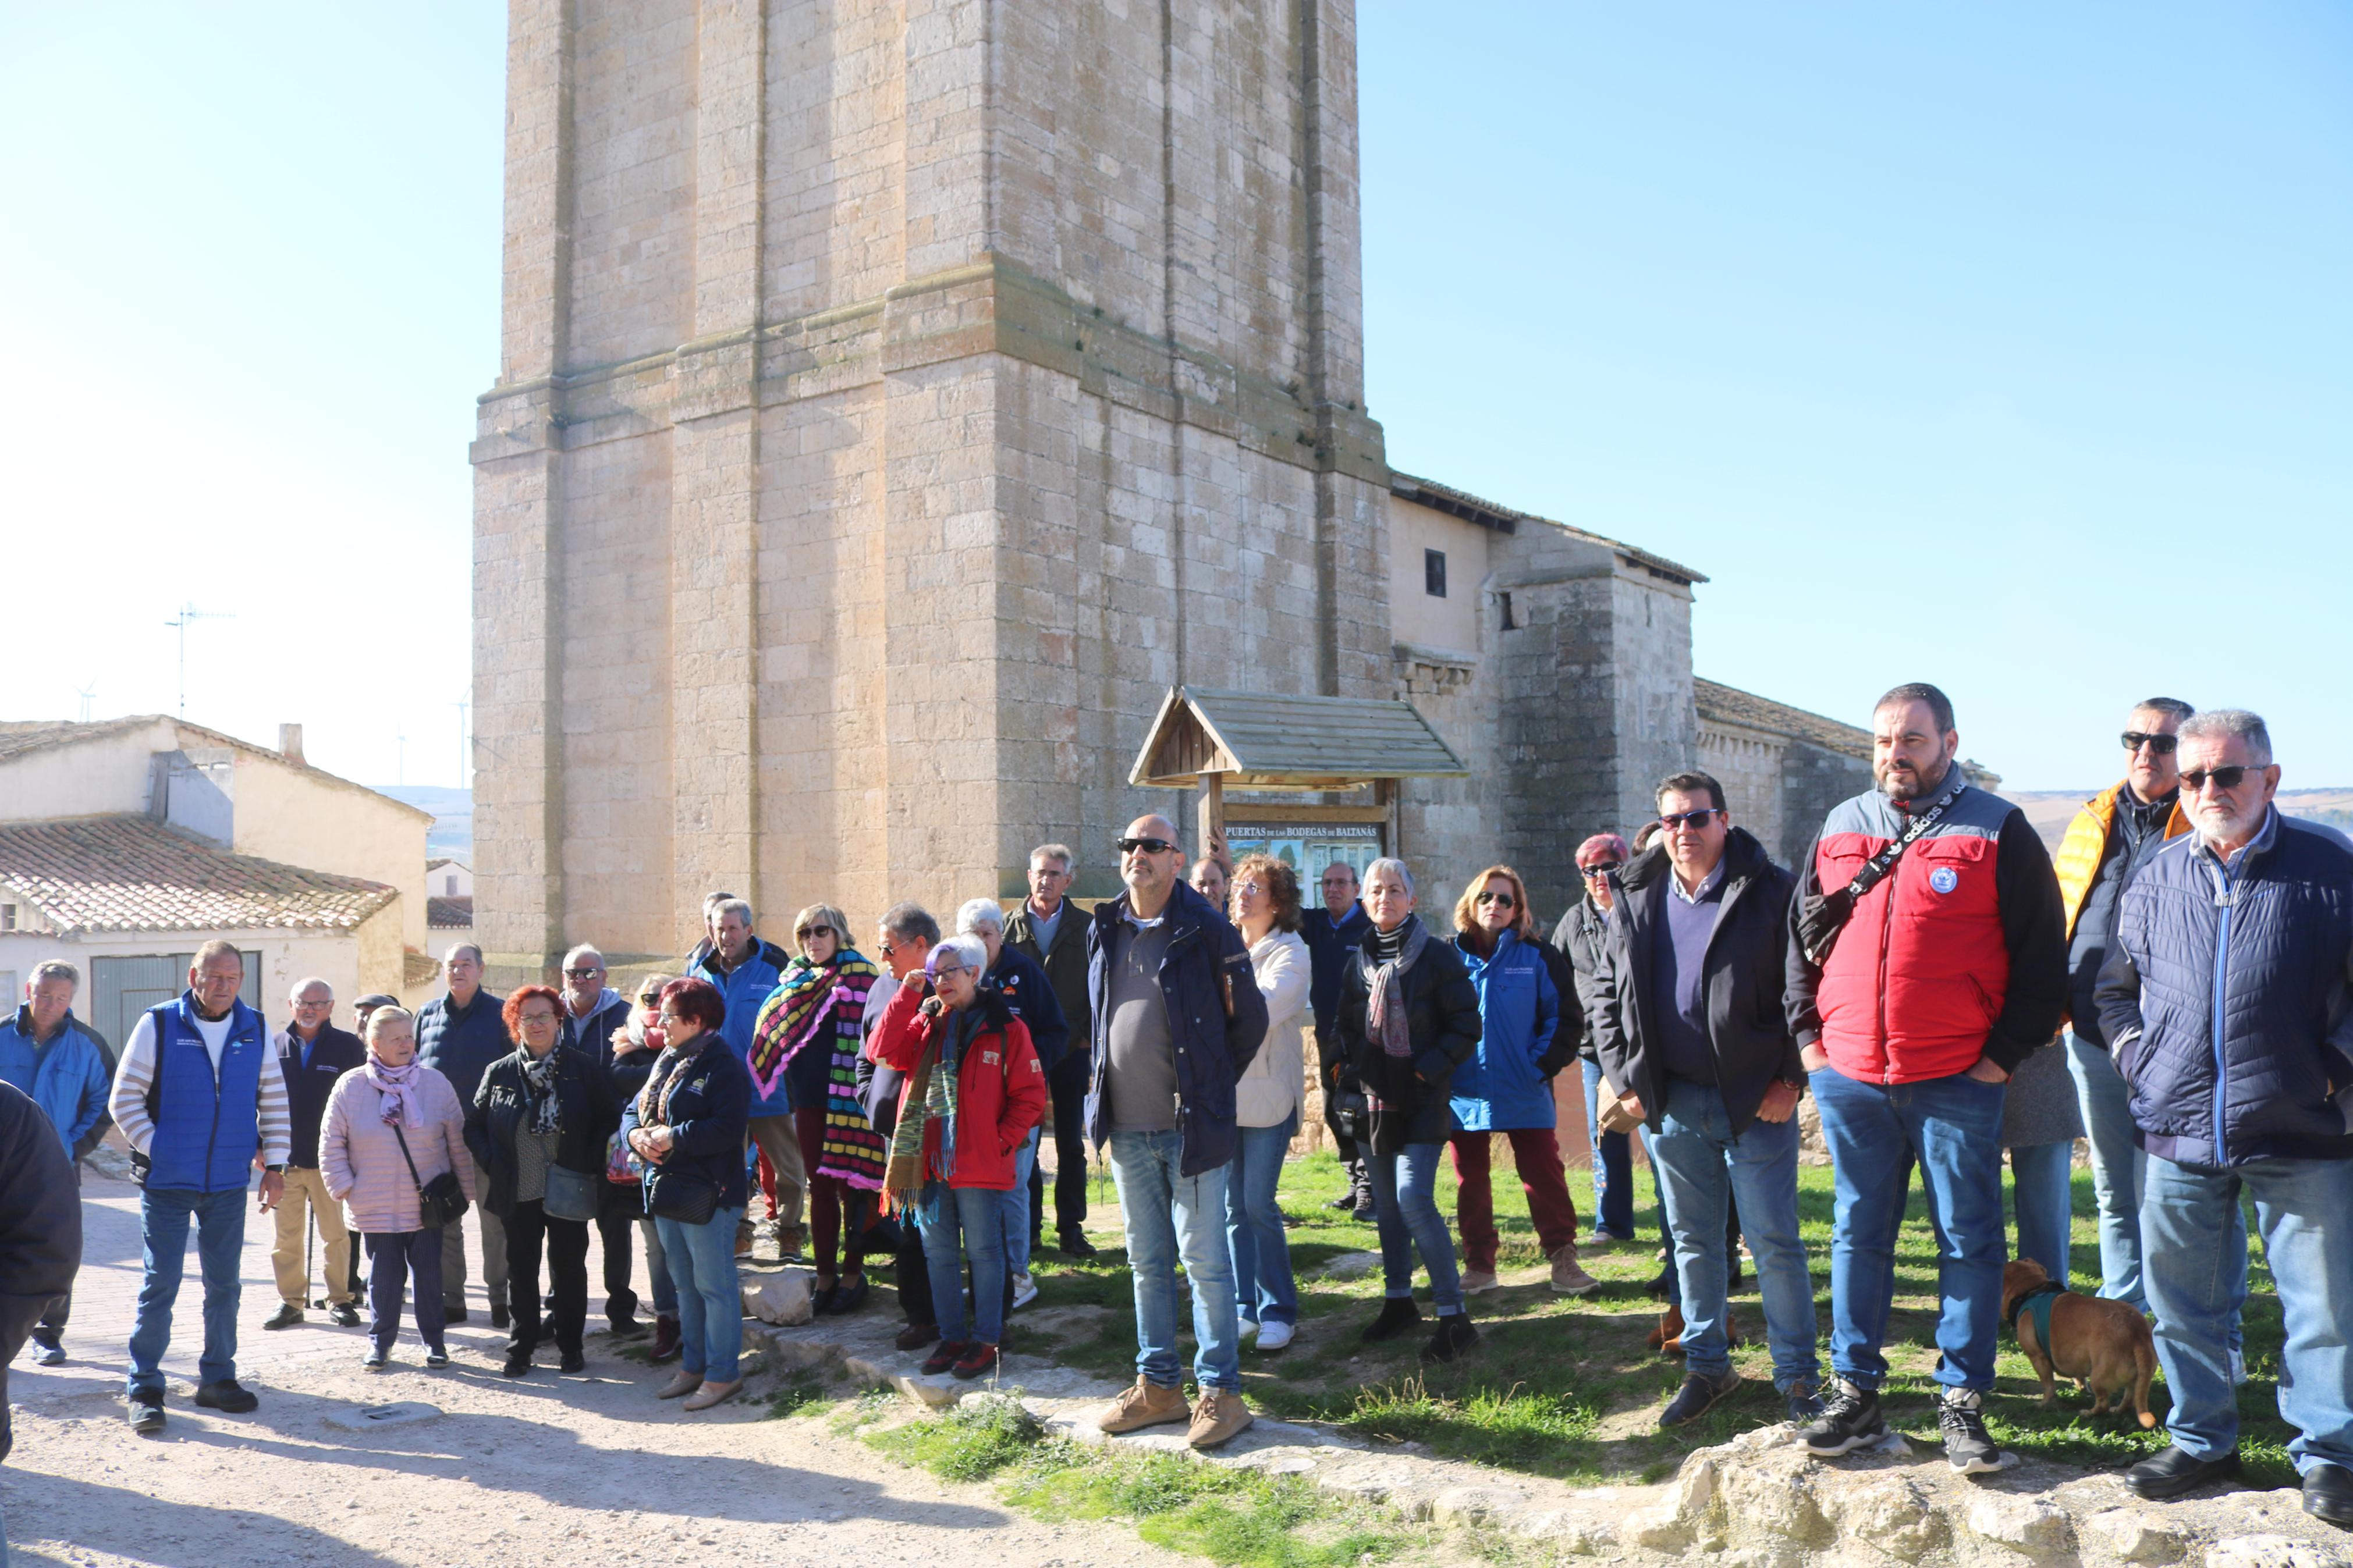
(205, 1131)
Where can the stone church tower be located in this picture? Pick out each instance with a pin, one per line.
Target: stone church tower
(894, 401)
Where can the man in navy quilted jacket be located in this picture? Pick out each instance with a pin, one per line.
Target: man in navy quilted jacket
(2225, 1002)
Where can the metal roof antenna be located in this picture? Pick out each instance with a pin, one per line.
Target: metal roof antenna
(179, 623)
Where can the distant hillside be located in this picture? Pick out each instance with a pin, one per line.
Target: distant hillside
(452, 832)
(2051, 809)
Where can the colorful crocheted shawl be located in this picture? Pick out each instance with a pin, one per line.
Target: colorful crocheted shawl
(822, 1007)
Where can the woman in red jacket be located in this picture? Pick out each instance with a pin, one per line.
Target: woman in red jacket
(973, 1091)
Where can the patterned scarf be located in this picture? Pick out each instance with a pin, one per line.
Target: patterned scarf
(539, 1094)
(398, 1088)
(1385, 958)
(932, 1095)
(822, 1007)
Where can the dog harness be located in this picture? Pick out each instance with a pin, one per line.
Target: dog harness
(2037, 1301)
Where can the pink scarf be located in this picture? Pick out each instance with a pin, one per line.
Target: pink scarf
(399, 1087)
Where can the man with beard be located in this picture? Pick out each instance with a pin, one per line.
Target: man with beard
(1928, 958)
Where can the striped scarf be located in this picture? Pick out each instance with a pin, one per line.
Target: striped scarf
(822, 1007)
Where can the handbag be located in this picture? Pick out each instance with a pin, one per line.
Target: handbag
(618, 1170)
(677, 1196)
(441, 1200)
(570, 1195)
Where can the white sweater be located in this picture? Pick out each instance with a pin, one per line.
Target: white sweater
(1275, 1082)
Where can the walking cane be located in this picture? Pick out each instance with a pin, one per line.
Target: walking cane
(310, 1234)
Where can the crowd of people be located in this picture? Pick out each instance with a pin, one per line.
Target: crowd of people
(2174, 989)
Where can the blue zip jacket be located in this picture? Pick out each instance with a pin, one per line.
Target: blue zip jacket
(709, 1113)
(67, 1077)
(205, 1137)
(1207, 962)
(461, 1043)
(1022, 981)
(1500, 1089)
(744, 989)
(2224, 998)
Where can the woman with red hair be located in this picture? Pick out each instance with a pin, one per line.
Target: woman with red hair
(539, 1125)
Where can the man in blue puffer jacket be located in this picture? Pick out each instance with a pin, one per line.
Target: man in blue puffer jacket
(199, 1092)
(2225, 1002)
(743, 968)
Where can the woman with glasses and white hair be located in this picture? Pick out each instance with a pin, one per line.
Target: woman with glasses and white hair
(809, 1033)
(1527, 1032)
(1408, 1019)
(974, 1092)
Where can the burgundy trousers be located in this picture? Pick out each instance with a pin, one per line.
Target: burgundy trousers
(1536, 1153)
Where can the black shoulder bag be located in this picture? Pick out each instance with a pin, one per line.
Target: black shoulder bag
(677, 1196)
(1824, 915)
(442, 1199)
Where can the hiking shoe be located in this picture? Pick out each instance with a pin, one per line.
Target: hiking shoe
(227, 1396)
(1218, 1418)
(1805, 1404)
(48, 1353)
(1478, 1281)
(1960, 1415)
(946, 1356)
(1274, 1336)
(1025, 1290)
(915, 1336)
(1568, 1276)
(286, 1317)
(1454, 1336)
(1144, 1405)
(1345, 1201)
(1397, 1314)
(343, 1315)
(147, 1412)
(436, 1359)
(1850, 1420)
(1697, 1396)
(1076, 1245)
(978, 1360)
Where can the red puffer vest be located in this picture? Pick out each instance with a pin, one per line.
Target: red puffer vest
(1917, 980)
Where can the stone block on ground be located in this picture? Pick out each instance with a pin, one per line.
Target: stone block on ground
(782, 1299)
(2270, 1551)
(1893, 1514)
(2026, 1524)
(2139, 1537)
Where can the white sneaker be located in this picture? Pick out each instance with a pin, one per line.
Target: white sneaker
(1025, 1290)
(1274, 1336)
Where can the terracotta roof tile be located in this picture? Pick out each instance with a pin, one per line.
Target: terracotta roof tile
(1731, 705)
(450, 914)
(131, 873)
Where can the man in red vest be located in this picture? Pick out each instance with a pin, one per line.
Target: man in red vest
(1928, 958)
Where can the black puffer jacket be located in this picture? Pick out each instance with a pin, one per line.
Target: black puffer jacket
(1742, 978)
(586, 1105)
(40, 1227)
(1441, 1013)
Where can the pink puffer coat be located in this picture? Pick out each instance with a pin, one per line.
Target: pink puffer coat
(359, 1156)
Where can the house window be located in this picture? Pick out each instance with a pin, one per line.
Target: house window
(1433, 573)
(8, 917)
(1509, 624)
(450, 885)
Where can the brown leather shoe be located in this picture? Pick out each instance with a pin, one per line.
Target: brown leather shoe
(1667, 1333)
(1220, 1415)
(1146, 1404)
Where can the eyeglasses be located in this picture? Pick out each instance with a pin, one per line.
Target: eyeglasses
(583, 974)
(2197, 778)
(2159, 745)
(1147, 846)
(1694, 820)
(944, 969)
(667, 1017)
(547, 1018)
(807, 931)
(1492, 897)
(1252, 888)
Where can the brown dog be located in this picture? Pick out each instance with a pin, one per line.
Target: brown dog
(2105, 1346)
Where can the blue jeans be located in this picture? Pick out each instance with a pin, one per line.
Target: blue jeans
(1264, 1290)
(164, 1219)
(979, 1214)
(1700, 1164)
(1405, 1210)
(2042, 1197)
(2196, 1268)
(2119, 1169)
(1613, 1165)
(1015, 1207)
(701, 1260)
(1666, 1234)
(660, 1285)
(1952, 1128)
(1167, 1214)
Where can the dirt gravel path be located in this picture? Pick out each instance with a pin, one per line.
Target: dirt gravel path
(588, 1471)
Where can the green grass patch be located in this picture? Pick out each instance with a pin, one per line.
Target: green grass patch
(795, 1394)
(1568, 1388)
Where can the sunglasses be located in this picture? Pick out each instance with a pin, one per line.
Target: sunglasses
(1694, 820)
(1503, 899)
(807, 931)
(1596, 872)
(1147, 846)
(2159, 745)
(2196, 780)
(583, 974)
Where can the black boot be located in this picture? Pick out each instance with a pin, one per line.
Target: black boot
(2173, 1472)
(1397, 1314)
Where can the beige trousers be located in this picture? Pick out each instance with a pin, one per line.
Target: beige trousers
(782, 1145)
(306, 1194)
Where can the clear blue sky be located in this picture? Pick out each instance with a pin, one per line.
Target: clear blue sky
(2008, 346)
